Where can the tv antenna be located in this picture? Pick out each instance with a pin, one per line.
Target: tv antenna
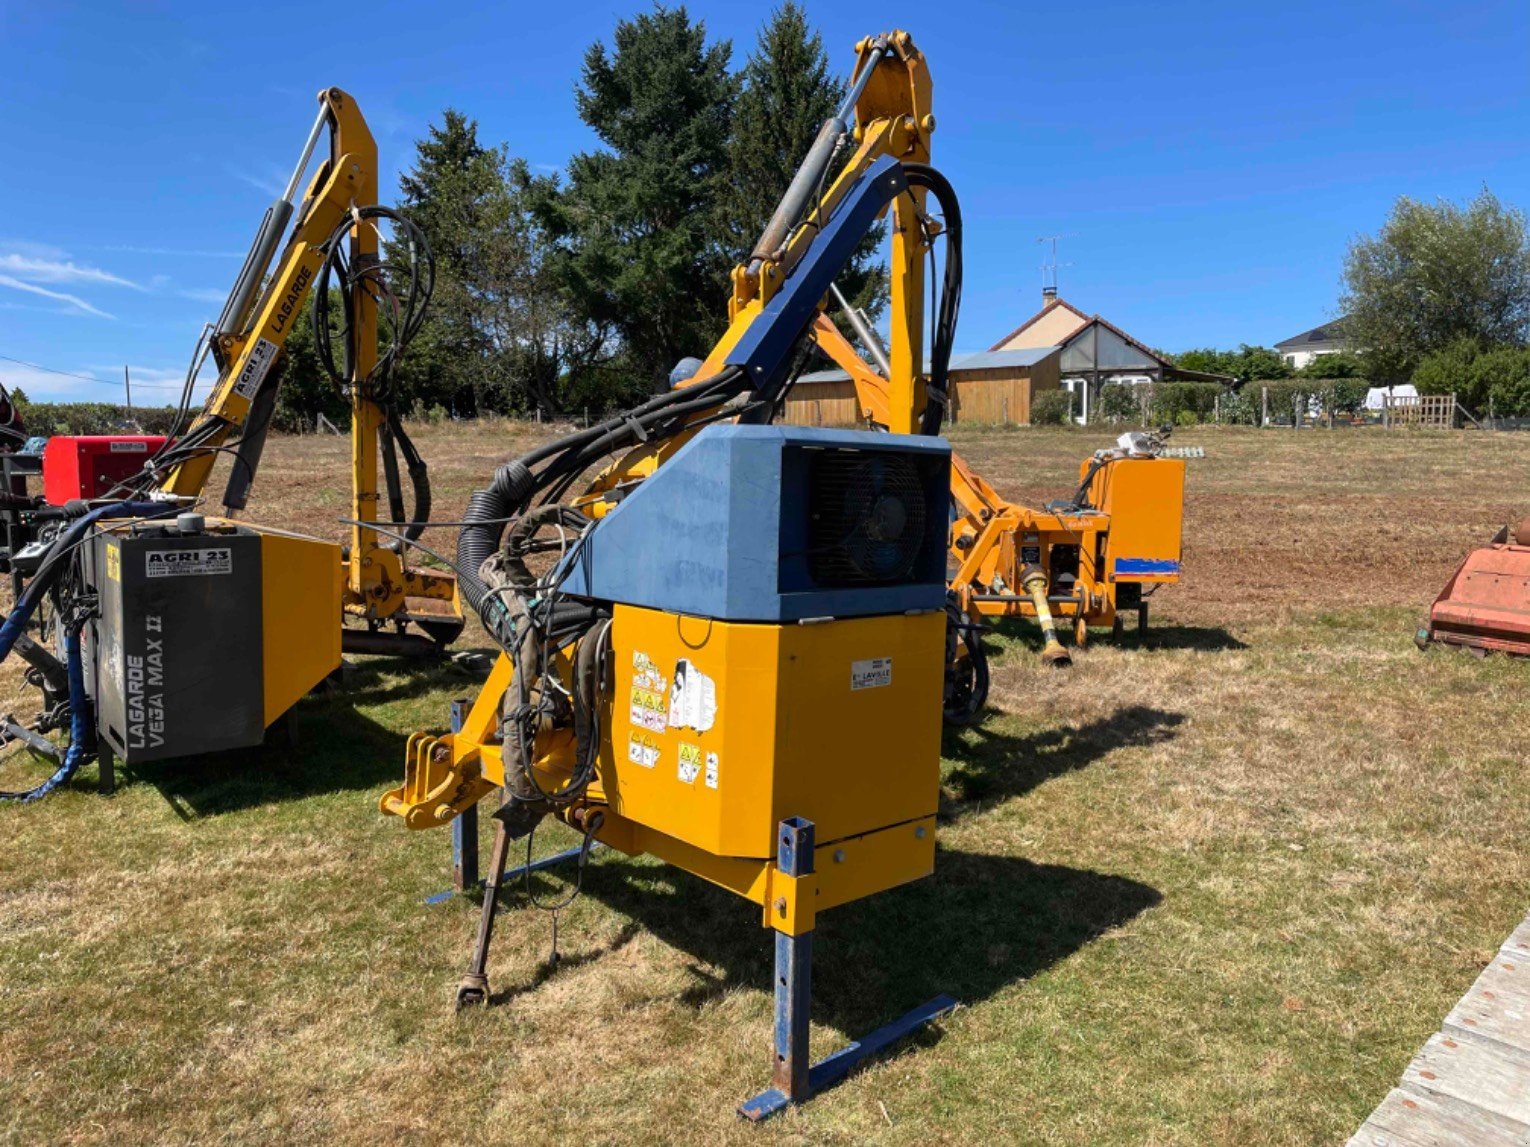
(1049, 267)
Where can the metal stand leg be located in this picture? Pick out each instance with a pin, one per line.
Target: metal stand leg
(794, 973)
(1142, 614)
(464, 828)
(793, 1080)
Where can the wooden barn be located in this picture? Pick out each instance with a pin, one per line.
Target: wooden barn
(995, 386)
(1094, 352)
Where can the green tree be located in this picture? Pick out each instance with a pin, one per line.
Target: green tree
(788, 90)
(1448, 370)
(1245, 363)
(500, 335)
(639, 220)
(455, 193)
(1496, 378)
(1435, 274)
(305, 390)
(1344, 364)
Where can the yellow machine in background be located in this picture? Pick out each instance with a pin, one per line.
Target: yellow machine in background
(728, 651)
(184, 634)
(330, 236)
(1083, 560)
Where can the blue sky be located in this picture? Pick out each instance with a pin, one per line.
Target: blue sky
(1209, 161)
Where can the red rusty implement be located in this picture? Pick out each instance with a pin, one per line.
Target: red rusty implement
(1485, 606)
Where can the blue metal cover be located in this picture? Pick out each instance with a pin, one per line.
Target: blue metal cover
(720, 530)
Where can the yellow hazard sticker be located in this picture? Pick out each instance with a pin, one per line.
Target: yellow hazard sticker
(114, 563)
(690, 763)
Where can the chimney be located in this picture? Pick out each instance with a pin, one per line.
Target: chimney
(1048, 296)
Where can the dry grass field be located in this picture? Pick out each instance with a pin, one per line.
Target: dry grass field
(1213, 887)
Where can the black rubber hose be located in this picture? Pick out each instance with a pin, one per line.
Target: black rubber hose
(419, 478)
(515, 484)
(921, 175)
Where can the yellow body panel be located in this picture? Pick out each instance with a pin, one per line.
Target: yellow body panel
(1144, 499)
(785, 732)
(300, 599)
(788, 734)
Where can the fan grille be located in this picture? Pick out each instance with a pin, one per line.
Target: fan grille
(867, 520)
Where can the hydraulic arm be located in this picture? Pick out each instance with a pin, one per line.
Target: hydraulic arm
(330, 238)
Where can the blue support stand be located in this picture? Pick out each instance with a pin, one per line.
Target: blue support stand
(794, 1079)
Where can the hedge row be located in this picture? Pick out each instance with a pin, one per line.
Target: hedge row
(45, 419)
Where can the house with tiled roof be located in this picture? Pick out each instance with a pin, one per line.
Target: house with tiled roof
(1094, 351)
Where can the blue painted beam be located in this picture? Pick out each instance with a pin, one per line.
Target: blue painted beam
(832, 1069)
(765, 349)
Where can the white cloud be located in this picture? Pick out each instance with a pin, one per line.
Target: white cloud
(74, 301)
(201, 295)
(191, 253)
(158, 377)
(272, 185)
(46, 386)
(57, 270)
(36, 250)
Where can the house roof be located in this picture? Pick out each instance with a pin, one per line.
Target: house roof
(983, 360)
(1329, 334)
(1083, 324)
(1055, 304)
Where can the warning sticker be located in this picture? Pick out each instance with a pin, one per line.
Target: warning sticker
(872, 673)
(189, 563)
(711, 770)
(692, 698)
(647, 710)
(642, 750)
(129, 447)
(255, 368)
(113, 563)
(690, 763)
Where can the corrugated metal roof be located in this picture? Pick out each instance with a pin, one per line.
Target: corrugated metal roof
(982, 360)
(997, 359)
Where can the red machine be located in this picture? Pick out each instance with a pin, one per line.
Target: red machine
(1485, 606)
(89, 466)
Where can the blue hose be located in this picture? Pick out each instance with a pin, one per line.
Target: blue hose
(81, 712)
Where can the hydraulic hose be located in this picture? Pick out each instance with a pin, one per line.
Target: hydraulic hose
(81, 714)
(419, 477)
(924, 176)
(82, 731)
(515, 483)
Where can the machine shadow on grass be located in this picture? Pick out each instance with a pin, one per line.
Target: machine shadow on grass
(987, 766)
(326, 744)
(979, 924)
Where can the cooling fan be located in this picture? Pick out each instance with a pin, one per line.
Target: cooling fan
(868, 524)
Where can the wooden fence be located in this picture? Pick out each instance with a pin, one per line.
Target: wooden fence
(1435, 411)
